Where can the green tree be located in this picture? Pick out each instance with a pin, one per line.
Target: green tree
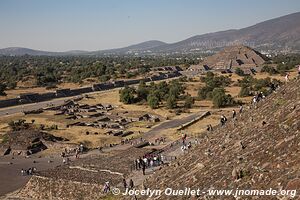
(270, 70)
(205, 92)
(221, 99)
(142, 91)
(245, 91)
(153, 101)
(239, 71)
(127, 95)
(188, 101)
(171, 102)
(2, 89)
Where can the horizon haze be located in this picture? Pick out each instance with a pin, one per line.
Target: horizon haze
(98, 25)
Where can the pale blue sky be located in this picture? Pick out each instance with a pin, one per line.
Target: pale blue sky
(60, 25)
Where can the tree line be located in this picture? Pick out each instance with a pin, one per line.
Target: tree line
(48, 71)
(156, 94)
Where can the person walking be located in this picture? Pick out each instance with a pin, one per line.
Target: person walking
(131, 184)
(124, 183)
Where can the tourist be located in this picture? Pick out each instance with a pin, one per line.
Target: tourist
(189, 145)
(208, 128)
(77, 153)
(29, 171)
(241, 109)
(136, 165)
(22, 172)
(183, 148)
(131, 184)
(156, 160)
(151, 163)
(287, 77)
(106, 187)
(184, 136)
(65, 161)
(144, 168)
(223, 120)
(145, 161)
(124, 183)
(254, 100)
(233, 114)
(141, 161)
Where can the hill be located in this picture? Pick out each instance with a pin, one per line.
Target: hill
(234, 56)
(261, 151)
(19, 51)
(279, 34)
(143, 47)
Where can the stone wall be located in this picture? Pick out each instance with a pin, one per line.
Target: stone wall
(40, 187)
(9, 102)
(35, 97)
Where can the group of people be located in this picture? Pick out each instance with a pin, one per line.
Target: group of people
(148, 161)
(127, 141)
(160, 140)
(29, 171)
(130, 185)
(223, 118)
(67, 152)
(186, 147)
(257, 98)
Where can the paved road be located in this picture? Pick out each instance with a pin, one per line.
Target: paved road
(10, 171)
(56, 102)
(43, 104)
(28, 107)
(170, 124)
(10, 168)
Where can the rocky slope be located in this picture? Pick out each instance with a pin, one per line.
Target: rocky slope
(261, 151)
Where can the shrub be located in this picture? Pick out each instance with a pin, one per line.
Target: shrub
(245, 92)
(204, 93)
(221, 99)
(240, 72)
(188, 101)
(2, 89)
(270, 70)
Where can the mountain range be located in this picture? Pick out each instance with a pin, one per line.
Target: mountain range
(279, 34)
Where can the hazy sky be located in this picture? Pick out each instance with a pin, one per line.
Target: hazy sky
(59, 25)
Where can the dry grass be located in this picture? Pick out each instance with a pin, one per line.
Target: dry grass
(78, 134)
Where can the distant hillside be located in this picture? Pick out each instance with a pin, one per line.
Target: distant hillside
(279, 34)
(19, 51)
(275, 34)
(136, 48)
(261, 151)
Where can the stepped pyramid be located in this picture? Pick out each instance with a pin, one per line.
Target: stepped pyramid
(234, 56)
(264, 146)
